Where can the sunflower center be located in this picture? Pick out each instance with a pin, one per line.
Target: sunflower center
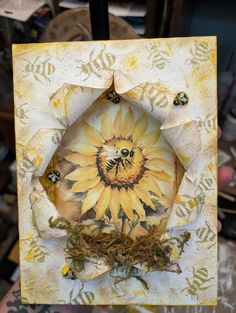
(120, 162)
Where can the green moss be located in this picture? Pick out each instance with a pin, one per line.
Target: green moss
(119, 250)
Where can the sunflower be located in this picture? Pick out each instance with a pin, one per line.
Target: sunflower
(119, 167)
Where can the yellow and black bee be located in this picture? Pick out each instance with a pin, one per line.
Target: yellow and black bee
(54, 176)
(113, 96)
(181, 99)
(68, 273)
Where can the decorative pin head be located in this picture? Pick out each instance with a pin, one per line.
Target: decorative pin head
(113, 96)
(181, 99)
(67, 272)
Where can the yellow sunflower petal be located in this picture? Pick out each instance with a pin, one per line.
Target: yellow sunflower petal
(83, 173)
(85, 185)
(80, 159)
(144, 195)
(126, 204)
(159, 176)
(127, 124)
(154, 152)
(92, 197)
(83, 148)
(140, 127)
(106, 126)
(148, 184)
(117, 123)
(150, 139)
(103, 202)
(157, 164)
(114, 204)
(92, 134)
(137, 205)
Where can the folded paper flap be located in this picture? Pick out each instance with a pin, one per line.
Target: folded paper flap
(93, 268)
(67, 104)
(71, 101)
(153, 97)
(187, 206)
(202, 164)
(43, 209)
(122, 83)
(185, 140)
(45, 139)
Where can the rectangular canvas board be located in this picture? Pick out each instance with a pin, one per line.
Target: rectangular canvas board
(116, 147)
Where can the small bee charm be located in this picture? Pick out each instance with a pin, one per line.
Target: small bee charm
(113, 96)
(181, 99)
(53, 176)
(68, 273)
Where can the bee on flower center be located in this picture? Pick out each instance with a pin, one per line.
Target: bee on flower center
(120, 162)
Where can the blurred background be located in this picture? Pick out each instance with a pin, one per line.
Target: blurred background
(25, 21)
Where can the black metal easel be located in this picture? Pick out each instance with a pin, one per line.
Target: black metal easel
(99, 19)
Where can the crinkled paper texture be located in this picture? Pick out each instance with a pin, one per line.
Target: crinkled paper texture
(54, 85)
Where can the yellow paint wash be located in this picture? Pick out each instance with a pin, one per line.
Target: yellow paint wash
(56, 103)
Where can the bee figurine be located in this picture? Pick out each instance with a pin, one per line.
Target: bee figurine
(113, 96)
(181, 99)
(68, 273)
(53, 176)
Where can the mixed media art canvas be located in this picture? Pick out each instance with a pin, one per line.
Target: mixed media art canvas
(116, 170)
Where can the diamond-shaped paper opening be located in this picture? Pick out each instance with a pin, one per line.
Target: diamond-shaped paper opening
(114, 169)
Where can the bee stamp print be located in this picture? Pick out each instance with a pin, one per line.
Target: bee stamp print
(21, 113)
(201, 52)
(200, 281)
(158, 57)
(80, 297)
(40, 70)
(36, 252)
(208, 124)
(156, 97)
(97, 63)
(187, 204)
(206, 235)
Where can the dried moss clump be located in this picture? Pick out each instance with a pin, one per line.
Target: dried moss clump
(119, 250)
